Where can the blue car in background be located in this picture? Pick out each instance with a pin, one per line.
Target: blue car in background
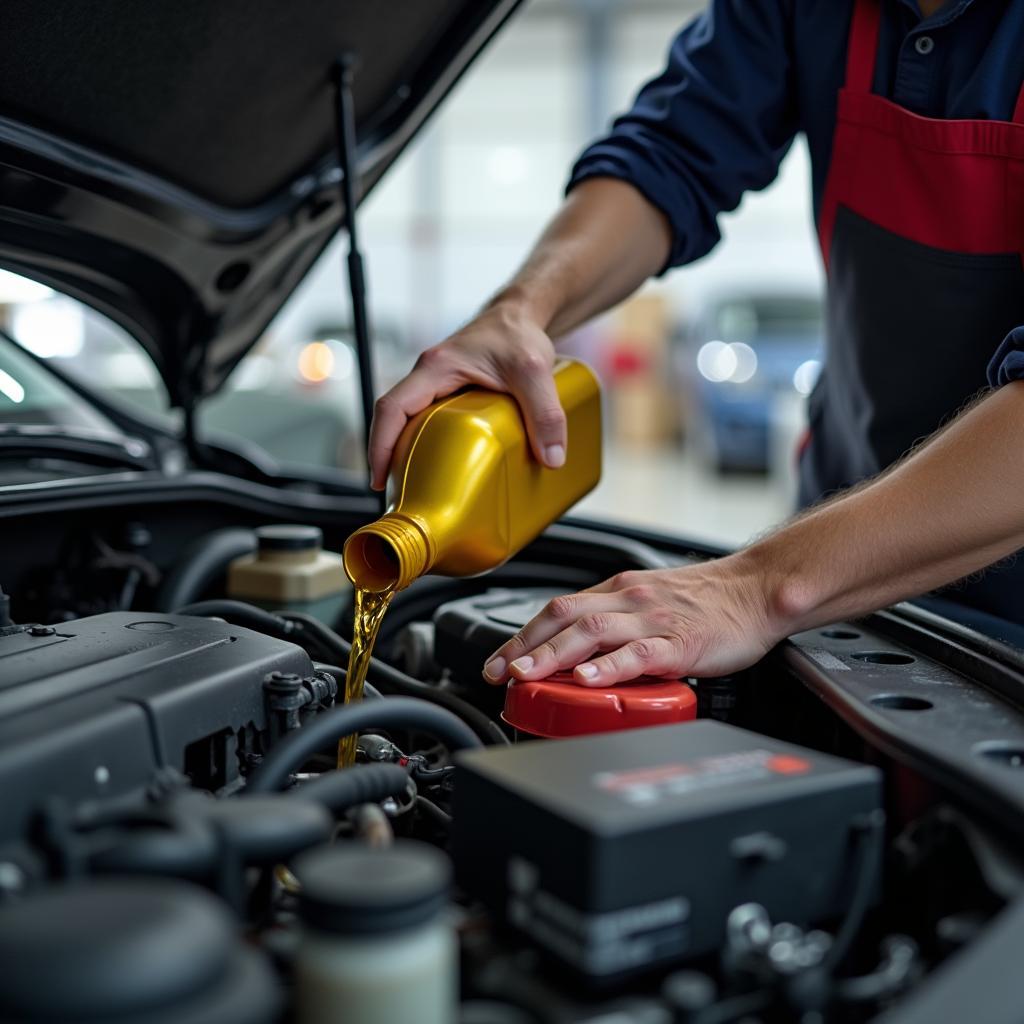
(744, 357)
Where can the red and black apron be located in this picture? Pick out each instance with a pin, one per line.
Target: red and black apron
(922, 233)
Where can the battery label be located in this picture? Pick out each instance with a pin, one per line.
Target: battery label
(648, 785)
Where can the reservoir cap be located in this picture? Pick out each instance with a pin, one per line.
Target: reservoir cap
(289, 537)
(350, 889)
(558, 707)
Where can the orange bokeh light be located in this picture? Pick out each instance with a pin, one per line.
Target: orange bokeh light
(316, 362)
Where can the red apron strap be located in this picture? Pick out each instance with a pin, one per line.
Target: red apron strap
(1018, 111)
(863, 45)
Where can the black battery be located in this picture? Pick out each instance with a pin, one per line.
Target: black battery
(625, 851)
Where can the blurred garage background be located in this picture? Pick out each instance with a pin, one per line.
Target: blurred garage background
(706, 372)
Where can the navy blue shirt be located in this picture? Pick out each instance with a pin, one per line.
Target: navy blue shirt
(746, 76)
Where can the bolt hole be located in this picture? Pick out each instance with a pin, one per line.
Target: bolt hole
(840, 634)
(1011, 755)
(884, 658)
(901, 702)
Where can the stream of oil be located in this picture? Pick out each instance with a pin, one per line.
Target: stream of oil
(369, 613)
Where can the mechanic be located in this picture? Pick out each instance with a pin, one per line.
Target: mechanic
(914, 114)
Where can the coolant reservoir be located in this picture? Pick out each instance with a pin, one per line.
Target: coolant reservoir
(465, 492)
(376, 943)
(290, 571)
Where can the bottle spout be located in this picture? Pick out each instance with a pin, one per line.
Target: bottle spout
(386, 555)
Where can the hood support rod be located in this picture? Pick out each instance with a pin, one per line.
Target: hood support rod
(345, 122)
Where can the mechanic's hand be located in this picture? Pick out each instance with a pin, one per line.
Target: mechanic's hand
(702, 620)
(501, 350)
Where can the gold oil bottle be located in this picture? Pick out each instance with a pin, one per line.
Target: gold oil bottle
(465, 494)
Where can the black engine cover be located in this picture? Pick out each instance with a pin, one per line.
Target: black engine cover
(470, 630)
(92, 708)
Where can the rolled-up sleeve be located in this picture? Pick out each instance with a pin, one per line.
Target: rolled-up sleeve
(1007, 364)
(713, 125)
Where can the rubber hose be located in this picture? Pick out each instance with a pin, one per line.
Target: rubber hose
(369, 690)
(337, 723)
(393, 680)
(300, 628)
(871, 839)
(360, 784)
(183, 853)
(323, 635)
(202, 564)
(241, 614)
(431, 810)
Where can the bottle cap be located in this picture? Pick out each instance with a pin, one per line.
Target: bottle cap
(288, 537)
(558, 707)
(354, 890)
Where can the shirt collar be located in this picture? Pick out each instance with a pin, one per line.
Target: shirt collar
(941, 17)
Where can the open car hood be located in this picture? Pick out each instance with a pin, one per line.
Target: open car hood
(174, 165)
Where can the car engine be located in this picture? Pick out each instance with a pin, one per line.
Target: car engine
(178, 844)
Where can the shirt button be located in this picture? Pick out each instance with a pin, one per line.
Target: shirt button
(924, 45)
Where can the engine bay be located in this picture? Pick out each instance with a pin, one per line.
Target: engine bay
(167, 757)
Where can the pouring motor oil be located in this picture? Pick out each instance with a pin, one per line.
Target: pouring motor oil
(465, 494)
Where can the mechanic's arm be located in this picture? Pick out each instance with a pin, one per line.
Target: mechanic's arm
(713, 125)
(604, 243)
(951, 509)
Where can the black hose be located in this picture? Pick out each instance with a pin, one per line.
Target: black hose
(436, 814)
(392, 681)
(324, 636)
(201, 564)
(186, 851)
(870, 836)
(307, 631)
(369, 690)
(897, 970)
(241, 614)
(360, 784)
(337, 723)
(395, 683)
(190, 849)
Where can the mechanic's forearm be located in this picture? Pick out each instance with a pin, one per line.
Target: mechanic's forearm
(606, 240)
(951, 509)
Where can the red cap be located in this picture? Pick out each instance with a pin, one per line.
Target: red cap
(558, 707)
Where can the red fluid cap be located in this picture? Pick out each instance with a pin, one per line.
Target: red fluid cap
(558, 707)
